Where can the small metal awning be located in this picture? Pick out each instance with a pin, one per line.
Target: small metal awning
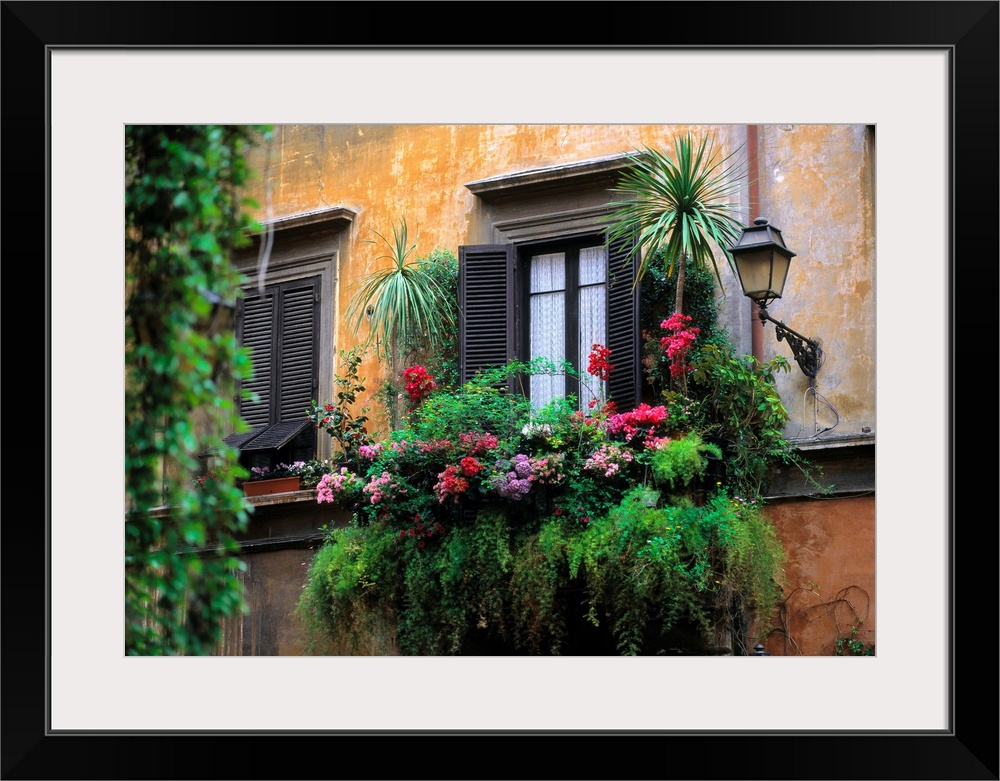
(267, 437)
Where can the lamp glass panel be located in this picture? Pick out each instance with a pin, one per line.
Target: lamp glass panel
(751, 237)
(781, 264)
(755, 272)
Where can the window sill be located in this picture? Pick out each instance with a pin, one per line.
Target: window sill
(270, 500)
(292, 497)
(290, 520)
(833, 441)
(847, 462)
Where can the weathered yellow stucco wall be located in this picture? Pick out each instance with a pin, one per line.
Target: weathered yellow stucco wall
(386, 172)
(816, 183)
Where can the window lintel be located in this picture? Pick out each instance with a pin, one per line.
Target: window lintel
(598, 171)
(333, 219)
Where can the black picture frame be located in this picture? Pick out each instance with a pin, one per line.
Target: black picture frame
(969, 750)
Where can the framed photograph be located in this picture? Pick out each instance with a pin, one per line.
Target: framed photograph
(924, 73)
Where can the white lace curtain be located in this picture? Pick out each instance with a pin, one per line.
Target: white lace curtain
(548, 320)
(593, 317)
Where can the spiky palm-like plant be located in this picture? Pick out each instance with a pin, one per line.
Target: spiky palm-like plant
(683, 203)
(404, 297)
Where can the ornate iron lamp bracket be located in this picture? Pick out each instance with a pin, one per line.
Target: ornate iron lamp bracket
(808, 354)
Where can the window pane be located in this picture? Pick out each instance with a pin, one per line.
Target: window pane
(593, 330)
(548, 323)
(548, 272)
(593, 317)
(548, 340)
(593, 265)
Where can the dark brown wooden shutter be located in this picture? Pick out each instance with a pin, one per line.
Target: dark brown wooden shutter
(299, 349)
(486, 307)
(280, 327)
(623, 327)
(258, 327)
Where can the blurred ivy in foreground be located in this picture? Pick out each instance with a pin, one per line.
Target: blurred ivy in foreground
(184, 214)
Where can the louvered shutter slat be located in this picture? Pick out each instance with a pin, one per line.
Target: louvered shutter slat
(486, 302)
(623, 327)
(298, 352)
(258, 337)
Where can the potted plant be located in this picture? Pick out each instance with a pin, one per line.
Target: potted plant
(280, 479)
(312, 471)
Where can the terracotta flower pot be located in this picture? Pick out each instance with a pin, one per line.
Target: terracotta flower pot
(277, 485)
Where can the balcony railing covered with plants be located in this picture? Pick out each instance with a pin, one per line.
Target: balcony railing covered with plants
(484, 525)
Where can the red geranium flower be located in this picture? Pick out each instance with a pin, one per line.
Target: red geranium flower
(597, 364)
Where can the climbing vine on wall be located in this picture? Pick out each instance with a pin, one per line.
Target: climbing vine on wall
(184, 215)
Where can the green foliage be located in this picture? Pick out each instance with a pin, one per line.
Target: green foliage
(406, 297)
(338, 602)
(486, 528)
(483, 404)
(753, 559)
(312, 471)
(347, 427)
(614, 544)
(852, 645)
(682, 459)
(440, 356)
(656, 303)
(741, 390)
(183, 217)
(684, 204)
(740, 405)
(728, 398)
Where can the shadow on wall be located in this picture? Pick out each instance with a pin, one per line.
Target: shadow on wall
(269, 628)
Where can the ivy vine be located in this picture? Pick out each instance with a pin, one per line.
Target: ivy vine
(184, 215)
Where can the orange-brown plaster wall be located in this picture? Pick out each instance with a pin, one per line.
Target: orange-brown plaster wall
(283, 535)
(830, 571)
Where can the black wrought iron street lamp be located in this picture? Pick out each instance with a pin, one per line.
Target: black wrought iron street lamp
(762, 262)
